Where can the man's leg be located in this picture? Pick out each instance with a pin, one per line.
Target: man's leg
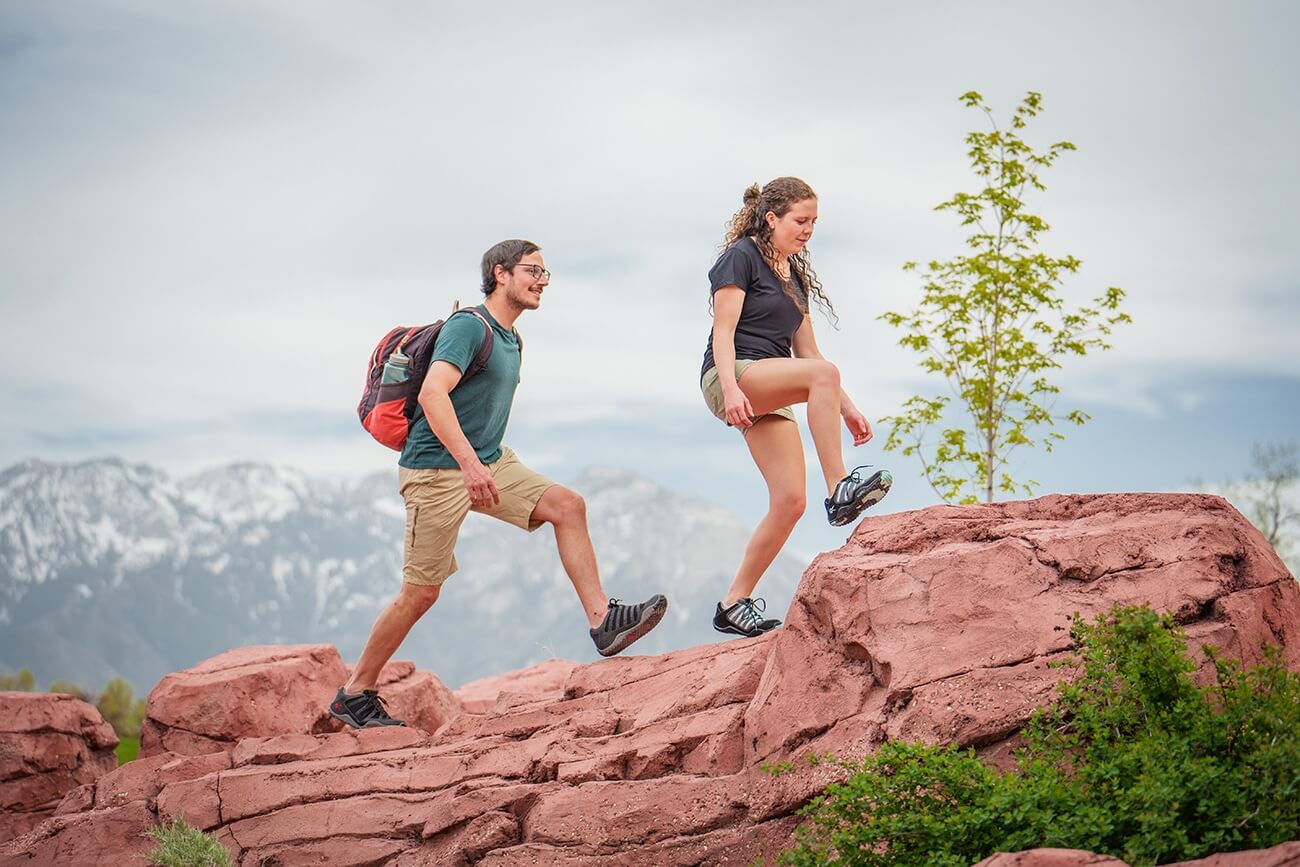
(614, 626)
(436, 504)
(528, 500)
(566, 511)
(389, 632)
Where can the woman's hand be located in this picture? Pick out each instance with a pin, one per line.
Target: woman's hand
(858, 425)
(737, 408)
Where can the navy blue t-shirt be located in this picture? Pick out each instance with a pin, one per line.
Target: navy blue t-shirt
(768, 318)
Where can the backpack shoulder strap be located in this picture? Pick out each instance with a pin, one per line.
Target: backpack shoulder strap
(480, 362)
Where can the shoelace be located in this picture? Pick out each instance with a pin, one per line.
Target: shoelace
(854, 475)
(851, 477)
(750, 611)
(376, 707)
(620, 612)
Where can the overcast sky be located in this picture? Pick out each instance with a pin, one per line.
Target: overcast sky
(210, 211)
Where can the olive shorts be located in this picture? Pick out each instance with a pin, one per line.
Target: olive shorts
(437, 502)
(711, 386)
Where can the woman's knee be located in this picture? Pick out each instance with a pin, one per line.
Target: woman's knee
(789, 505)
(825, 374)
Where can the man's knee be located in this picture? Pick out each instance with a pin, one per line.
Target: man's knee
(566, 506)
(419, 597)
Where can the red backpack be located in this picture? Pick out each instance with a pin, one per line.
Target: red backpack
(397, 370)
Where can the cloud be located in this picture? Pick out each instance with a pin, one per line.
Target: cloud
(214, 212)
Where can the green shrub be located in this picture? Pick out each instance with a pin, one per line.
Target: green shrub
(182, 845)
(1132, 760)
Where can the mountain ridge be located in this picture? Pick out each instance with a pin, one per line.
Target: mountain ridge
(112, 568)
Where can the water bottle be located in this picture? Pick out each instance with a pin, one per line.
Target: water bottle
(397, 368)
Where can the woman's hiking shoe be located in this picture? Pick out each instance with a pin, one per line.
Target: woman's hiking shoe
(743, 618)
(624, 624)
(364, 711)
(854, 495)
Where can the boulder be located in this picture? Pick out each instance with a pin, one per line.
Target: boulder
(1286, 855)
(50, 745)
(939, 625)
(263, 691)
(1051, 858)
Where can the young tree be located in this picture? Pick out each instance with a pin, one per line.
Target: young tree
(993, 323)
(1276, 469)
(23, 681)
(120, 709)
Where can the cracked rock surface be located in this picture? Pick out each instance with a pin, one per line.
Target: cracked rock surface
(939, 625)
(50, 744)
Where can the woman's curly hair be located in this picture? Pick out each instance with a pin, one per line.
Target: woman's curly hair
(750, 221)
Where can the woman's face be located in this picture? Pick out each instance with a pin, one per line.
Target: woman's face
(790, 233)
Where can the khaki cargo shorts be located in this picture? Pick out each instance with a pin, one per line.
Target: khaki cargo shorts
(711, 386)
(437, 503)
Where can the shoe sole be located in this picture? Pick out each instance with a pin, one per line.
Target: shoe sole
(868, 499)
(733, 630)
(649, 620)
(350, 720)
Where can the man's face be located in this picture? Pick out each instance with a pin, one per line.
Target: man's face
(523, 284)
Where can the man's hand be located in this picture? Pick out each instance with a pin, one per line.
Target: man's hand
(858, 425)
(478, 482)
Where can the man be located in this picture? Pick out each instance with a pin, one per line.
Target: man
(453, 461)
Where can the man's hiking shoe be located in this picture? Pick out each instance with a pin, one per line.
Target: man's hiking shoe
(743, 618)
(854, 495)
(624, 624)
(364, 711)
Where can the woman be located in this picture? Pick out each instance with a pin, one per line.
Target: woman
(761, 286)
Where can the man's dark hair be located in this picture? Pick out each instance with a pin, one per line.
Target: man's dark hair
(506, 254)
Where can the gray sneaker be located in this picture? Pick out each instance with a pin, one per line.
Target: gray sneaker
(854, 495)
(364, 711)
(624, 624)
(743, 618)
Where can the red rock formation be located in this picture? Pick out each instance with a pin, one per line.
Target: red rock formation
(264, 691)
(538, 681)
(1286, 855)
(50, 744)
(936, 625)
(1051, 858)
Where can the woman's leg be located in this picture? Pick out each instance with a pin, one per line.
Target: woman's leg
(776, 382)
(774, 442)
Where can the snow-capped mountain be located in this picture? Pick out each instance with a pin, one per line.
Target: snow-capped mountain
(109, 568)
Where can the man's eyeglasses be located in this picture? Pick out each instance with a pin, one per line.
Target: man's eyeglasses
(536, 270)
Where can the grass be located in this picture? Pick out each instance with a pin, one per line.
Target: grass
(127, 750)
(182, 845)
